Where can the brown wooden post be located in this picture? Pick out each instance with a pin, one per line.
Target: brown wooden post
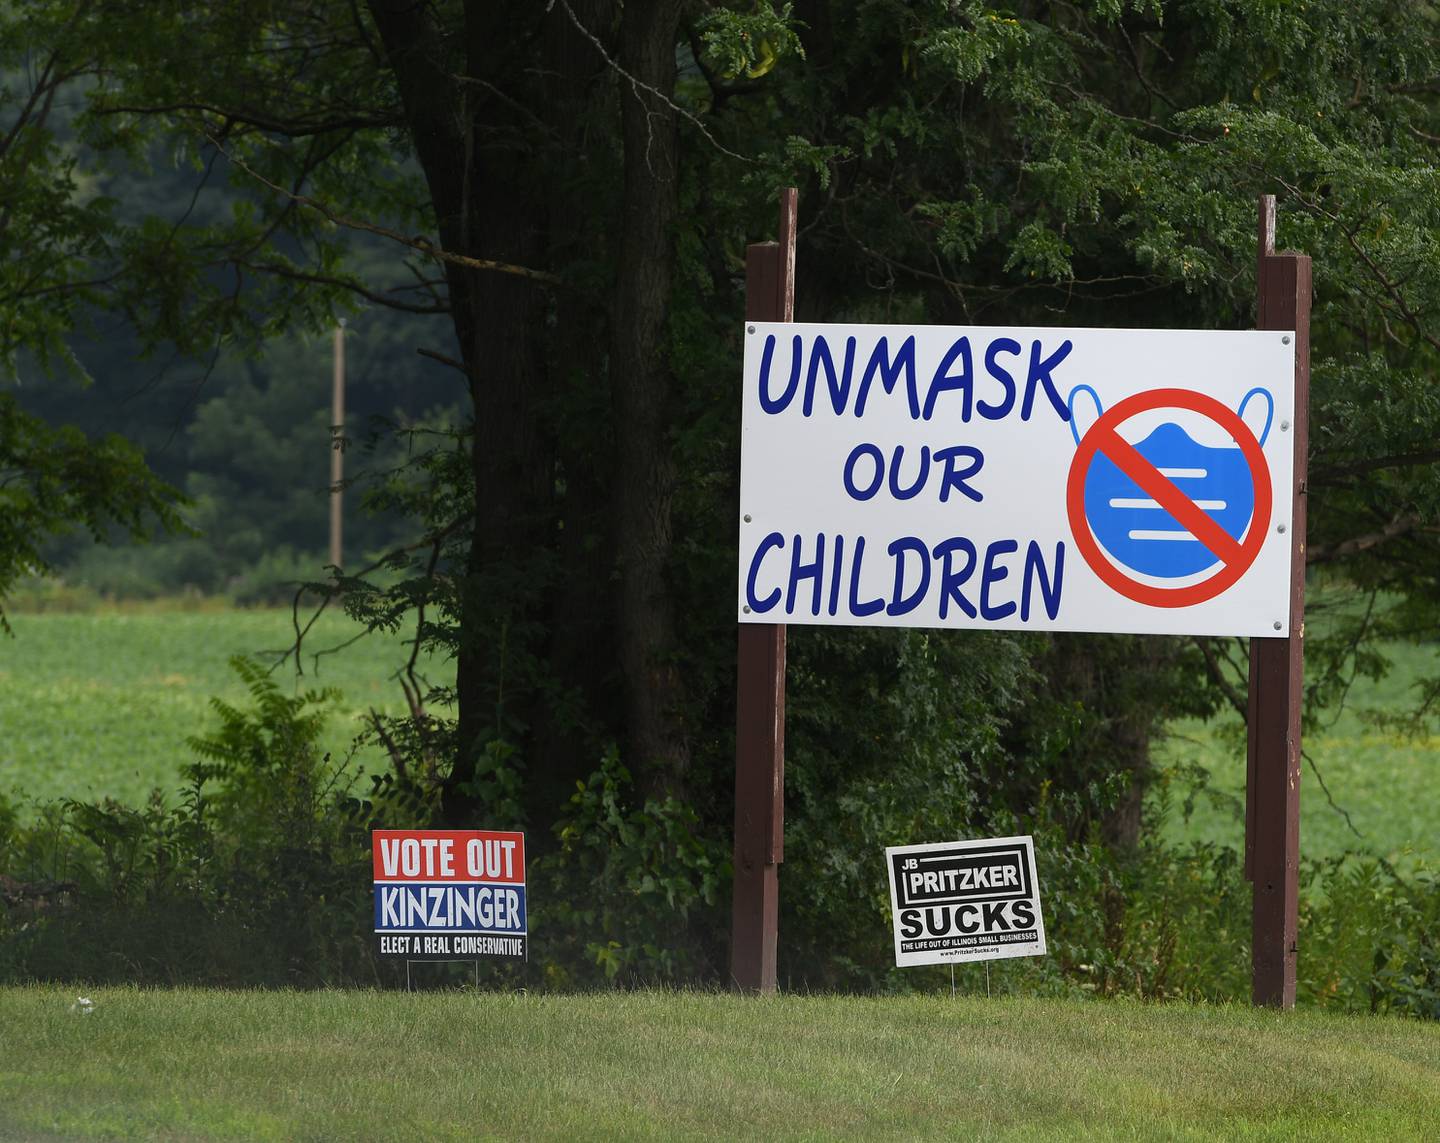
(760, 693)
(1272, 794)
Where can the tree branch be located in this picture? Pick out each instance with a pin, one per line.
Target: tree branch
(1363, 467)
(425, 246)
(433, 539)
(637, 85)
(282, 271)
(1392, 288)
(1329, 797)
(289, 128)
(1217, 676)
(1397, 527)
(443, 359)
(397, 756)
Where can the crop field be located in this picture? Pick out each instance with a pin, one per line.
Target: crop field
(100, 704)
(1388, 784)
(188, 1064)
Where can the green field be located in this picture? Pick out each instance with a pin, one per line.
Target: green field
(335, 1065)
(99, 704)
(1388, 784)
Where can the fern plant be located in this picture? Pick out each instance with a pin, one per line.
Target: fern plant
(265, 763)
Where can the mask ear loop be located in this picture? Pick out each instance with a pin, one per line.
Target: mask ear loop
(1269, 410)
(1070, 407)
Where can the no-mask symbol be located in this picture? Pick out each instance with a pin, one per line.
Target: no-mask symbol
(1169, 507)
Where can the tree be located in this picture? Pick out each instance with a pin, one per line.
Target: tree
(52, 481)
(1098, 164)
(573, 185)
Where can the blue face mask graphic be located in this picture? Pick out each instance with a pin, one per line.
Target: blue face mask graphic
(1140, 534)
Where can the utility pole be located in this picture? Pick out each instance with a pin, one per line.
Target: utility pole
(337, 441)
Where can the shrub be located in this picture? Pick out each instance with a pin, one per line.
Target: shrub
(1370, 937)
(620, 895)
(258, 876)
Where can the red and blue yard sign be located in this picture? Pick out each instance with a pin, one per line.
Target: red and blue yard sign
(450, 894)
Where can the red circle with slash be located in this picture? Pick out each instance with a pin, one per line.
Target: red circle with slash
(1236, 556)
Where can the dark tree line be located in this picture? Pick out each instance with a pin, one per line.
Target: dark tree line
(573, 184)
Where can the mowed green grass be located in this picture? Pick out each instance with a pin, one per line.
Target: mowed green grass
(100, 704)
(336, 1065)
(1388, 783)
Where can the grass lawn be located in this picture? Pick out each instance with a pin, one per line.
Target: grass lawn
(1389, 784)
(99, 704)
(333, 1065)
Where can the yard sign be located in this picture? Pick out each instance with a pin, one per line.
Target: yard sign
(449, 894)
(965, 900)
(1048, 479)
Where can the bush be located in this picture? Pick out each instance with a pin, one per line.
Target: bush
(1370, 937)
(621, 894)
(259, 876)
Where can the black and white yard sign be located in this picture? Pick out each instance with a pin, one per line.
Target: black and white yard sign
(965, 900)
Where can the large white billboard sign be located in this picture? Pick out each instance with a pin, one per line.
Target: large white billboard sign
(1048, 479)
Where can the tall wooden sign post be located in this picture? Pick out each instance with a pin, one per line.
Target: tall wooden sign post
(760, 693)
(1275, 695)
(1272, 788)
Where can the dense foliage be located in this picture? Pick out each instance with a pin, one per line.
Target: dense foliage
(260, 876)
(573, 184)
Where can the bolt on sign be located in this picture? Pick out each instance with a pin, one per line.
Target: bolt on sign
(965, 900)
(449, 894)
(1048, 479)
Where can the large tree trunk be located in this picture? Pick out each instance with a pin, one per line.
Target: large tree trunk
(501, 325)
(470, 142)
(579, 108)
(503, 172)
(641, 383)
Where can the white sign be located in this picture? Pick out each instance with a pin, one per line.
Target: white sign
(965, 900)
(1049, 479)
